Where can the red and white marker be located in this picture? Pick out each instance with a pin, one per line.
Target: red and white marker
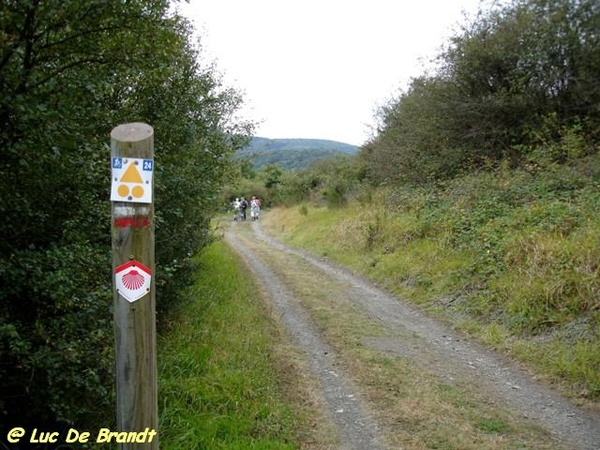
(132, 280)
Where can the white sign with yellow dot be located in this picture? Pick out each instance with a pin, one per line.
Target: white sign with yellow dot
(132, 180)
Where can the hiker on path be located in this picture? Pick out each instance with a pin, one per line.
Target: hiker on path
(255, 208)
(243, 207)
(236, 209)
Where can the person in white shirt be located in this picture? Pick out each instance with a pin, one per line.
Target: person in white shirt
(255, 208)
(236, 209)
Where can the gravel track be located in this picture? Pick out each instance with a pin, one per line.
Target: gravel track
(356, 428)
(424, 342)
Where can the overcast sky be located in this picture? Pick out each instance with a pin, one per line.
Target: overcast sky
(319, 68)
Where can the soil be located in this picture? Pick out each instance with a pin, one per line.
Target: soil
(419, 339)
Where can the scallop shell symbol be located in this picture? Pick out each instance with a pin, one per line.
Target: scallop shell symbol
(133, 280)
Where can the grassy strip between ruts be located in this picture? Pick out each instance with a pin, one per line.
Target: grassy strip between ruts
(218, 368)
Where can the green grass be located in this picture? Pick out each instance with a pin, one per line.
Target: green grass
(511, 258)
(218, 383)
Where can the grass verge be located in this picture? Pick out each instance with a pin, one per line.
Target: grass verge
(218, 374)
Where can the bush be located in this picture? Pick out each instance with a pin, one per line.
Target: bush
(516, 86)
(65, 83)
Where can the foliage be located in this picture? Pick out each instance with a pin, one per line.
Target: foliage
(334, 181)
(331, 181)
(520, 76)
(69, 72)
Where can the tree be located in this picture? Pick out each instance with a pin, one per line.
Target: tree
(511, 72)
(70, 71)
(522, 62)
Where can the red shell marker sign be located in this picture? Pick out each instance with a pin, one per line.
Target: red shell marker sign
(132, 280)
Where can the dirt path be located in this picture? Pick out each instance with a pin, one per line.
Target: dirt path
(414, 337)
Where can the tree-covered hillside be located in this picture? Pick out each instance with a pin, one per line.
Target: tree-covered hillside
(292, 154)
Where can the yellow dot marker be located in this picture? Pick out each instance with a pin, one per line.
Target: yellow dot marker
(137, 191)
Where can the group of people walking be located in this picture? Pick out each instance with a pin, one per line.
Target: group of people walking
(241, 205)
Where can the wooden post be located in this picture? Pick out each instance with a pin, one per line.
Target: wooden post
(132, 162)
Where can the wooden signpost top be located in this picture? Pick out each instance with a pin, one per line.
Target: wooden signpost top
(135, 132)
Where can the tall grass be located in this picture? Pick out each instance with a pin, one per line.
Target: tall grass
(511, 257)
(217, 388)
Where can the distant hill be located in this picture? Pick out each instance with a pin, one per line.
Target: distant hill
(291, 154)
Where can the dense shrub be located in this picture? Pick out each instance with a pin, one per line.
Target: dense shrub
(70, 71)
(517, 84)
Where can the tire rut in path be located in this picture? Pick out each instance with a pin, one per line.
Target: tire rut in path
(356, 428)
(428, 343)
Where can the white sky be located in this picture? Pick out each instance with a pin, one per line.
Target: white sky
(319, 68)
